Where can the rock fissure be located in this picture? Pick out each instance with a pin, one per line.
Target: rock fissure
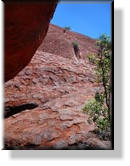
(10, 110)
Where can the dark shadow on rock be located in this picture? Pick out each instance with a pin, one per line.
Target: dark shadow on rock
(9, 110)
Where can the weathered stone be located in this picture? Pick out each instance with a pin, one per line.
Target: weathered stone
(26, 26)
(60, 144)
(60, 89)
(35, 127)
(96, 143)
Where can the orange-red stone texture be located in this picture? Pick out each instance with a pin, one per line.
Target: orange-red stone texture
(25, 26)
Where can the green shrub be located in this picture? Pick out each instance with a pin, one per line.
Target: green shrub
(92, 58)
(75, 44)
(102, 62)
(98, 113)
(67, 29)
(76, 47)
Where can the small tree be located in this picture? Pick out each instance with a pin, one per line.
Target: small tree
(104, 68)
(99, 108)
(75, 47)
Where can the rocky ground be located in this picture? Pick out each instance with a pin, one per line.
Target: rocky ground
(43, 103)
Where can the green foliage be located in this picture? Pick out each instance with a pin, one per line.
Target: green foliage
(75, 46)
(67, 28)
(99, 108)
(99, 97)
(92, 58)
(103, 69)
(98, 113)
(103, 66)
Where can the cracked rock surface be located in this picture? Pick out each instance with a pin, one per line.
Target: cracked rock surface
(46, 128)
(58, 87)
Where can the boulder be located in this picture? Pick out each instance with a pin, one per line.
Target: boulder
(26, 25)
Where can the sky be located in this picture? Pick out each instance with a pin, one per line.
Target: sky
(90, 19)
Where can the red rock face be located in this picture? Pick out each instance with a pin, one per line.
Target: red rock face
(26, 25)
(46, 129)
(59, 87)
(60, 43)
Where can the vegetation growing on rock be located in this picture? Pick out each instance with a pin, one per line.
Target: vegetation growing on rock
(76, 48)
(67, 29)
(99, 108)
